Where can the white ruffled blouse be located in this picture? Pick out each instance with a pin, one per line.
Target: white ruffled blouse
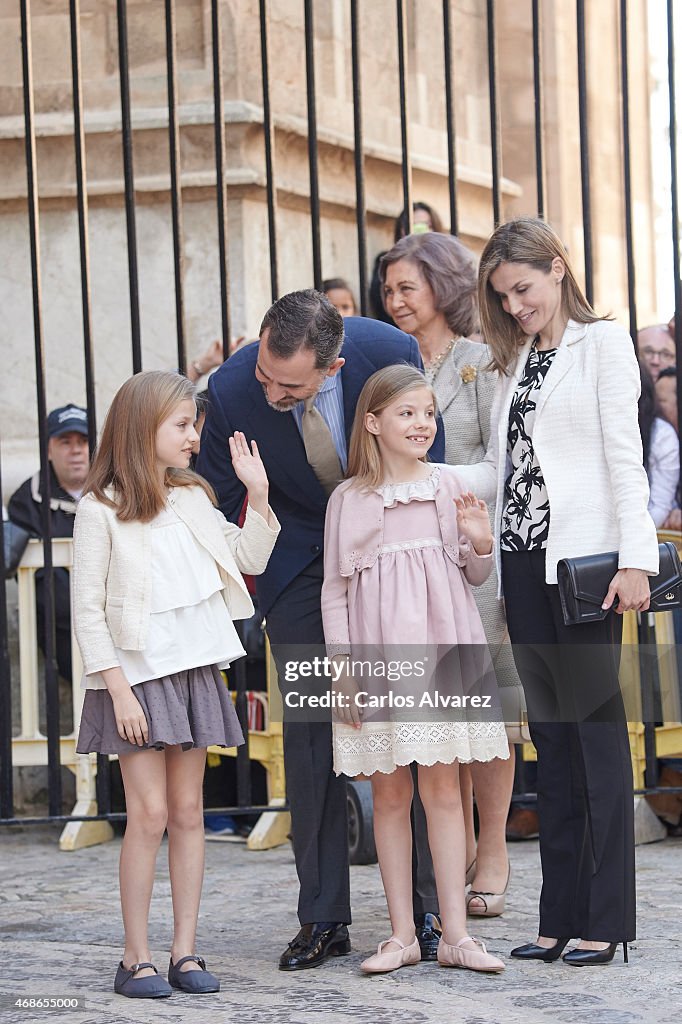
(190, 625)
(411, 490)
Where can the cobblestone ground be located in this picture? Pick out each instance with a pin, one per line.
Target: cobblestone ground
(60, 935)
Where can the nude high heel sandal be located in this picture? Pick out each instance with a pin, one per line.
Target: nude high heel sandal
(493, 902)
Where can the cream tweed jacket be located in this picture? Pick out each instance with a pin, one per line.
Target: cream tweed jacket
(586, 436)
(111, 580)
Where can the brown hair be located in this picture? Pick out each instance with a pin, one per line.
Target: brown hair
(532, 241)
(331, 284)
(380, 390)
(448, 268)
(125, 460)
(400, 227)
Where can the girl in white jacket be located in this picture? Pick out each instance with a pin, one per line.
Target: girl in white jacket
(156, 585)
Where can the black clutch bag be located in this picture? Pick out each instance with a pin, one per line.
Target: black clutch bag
(584, 582)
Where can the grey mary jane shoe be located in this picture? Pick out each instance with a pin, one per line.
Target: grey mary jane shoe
(192, 981)
(150, 987)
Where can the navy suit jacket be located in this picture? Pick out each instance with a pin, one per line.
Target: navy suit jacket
(237, 402)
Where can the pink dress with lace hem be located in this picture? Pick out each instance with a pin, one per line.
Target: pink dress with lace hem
(414, 603)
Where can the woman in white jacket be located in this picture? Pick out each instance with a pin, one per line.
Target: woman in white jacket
(564, 467)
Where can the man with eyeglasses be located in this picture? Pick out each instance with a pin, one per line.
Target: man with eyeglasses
(655, 349)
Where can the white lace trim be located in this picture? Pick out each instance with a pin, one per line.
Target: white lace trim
(411, 545)
(382, 747)
(412, 490)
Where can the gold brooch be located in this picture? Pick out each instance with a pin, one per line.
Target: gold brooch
(468, 373)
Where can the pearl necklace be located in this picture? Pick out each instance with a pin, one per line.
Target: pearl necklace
(431, 369)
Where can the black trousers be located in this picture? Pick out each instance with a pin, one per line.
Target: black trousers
(424, 892)
(584, 783)
(317, 797)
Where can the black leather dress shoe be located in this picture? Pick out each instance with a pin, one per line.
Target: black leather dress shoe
(587, 957)
(429, 932)
(531, 951)
(313, 944)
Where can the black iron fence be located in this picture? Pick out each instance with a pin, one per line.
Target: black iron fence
(361, 95)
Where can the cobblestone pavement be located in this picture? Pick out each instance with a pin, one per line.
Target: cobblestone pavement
(60, 935)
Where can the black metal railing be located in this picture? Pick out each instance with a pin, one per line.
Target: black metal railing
(51, 677)
(398, 21)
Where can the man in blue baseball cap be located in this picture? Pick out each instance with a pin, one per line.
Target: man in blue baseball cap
(69, 457)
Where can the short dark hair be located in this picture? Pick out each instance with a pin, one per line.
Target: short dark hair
(669, 371)
(202, 400)
(307, 320)
(335, 282)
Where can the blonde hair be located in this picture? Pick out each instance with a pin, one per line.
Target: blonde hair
(125, 460)
(380, 390)
(531, 241)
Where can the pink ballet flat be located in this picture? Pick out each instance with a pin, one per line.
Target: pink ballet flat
(385, 960)
(473, 959)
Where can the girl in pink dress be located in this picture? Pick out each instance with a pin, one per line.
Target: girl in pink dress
(399, 561)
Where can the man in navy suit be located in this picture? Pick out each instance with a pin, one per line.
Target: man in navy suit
(260, 390)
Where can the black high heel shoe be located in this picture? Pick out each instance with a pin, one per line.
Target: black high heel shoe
(587, 957)
(531, 951)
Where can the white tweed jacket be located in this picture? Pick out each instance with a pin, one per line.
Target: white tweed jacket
(111, 580)
(587, 441)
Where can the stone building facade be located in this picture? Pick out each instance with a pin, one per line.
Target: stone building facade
(245, 174)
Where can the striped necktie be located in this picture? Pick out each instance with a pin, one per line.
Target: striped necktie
(319, 446)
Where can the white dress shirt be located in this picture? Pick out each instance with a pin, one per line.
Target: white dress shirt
(663, 470)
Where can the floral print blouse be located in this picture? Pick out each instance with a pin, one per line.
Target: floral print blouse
(525, 516)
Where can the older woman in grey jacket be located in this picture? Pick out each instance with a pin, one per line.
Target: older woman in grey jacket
(429, 289)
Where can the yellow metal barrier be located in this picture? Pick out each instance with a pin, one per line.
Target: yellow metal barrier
(267, 747)
(668, 735)
(30, 746)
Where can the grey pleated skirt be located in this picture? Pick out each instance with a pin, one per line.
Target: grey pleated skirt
(187, 709)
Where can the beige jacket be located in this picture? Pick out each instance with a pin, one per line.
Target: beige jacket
(112, 574)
